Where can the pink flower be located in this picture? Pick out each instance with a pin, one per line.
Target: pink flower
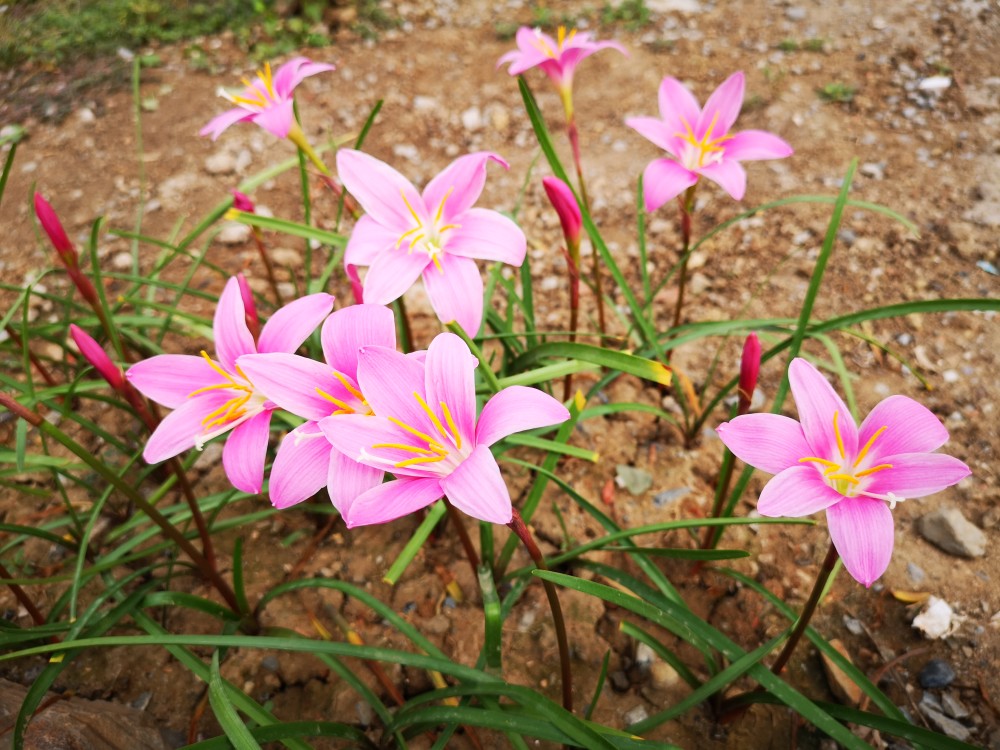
(424, 430)
(562, 200)
(267, 100)
(210, 398)
(557, 58)
(699, 142)
(94, 353)
(406, 234)
(749, 369)
(53, 228)
(857, 474)
(306, 461)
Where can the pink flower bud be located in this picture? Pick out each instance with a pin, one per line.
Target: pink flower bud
(95, 354)
(563, 201)
(249, 306)
(54, 229)
(355, 278)
(749, 368)
(242, 202)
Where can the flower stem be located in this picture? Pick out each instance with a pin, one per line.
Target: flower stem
(573, 264)
(463, 536)
(686, 202)
(488, 375)
(574, 139)
(518, 526)
(22, 596)
(268, 266)
(42, 370)
(405, 331)
(807, 611)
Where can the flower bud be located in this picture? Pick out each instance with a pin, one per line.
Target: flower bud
(749, 368)
(95, 354)
(564, 202)
(54, 229)
(249, 306)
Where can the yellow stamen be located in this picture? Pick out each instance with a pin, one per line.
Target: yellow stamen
(405, 447)
(431, 414)
(216, 367)
(350, 388)
(451, 425)
(823, 461)
(836, 431)
(419, 460)
(217, 386)
(412, 212)
(871, 441)
(873, 470)
(436, 260)
(344, 408)
(440, 211)
(268, 81)
(413, 431)
(707, 144)
(843, 477)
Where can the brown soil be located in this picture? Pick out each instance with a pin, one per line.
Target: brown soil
(934, 157)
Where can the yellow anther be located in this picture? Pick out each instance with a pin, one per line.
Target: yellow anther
(836, 431)
(451, 424)
(343, 407)
(418, 460)
(413, 431)
(873, 470)
(405, 447)
(350, 388)
(431, 414)
(868, 445)
(440, 211)
(823, 461)
(844, 477)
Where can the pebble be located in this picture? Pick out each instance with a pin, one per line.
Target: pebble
(874, 170)
(854, 625)
(915, 572)
(644, 656)
(949, 530)
(222, 162)
(663, 676)
(947, 725)
(619, 681)
(635, 715)
(953, 706)
(795, 13)
(660, 499)
(122, 261)
(847, 690)
(234, 233)
(904, 339)
(636, 481)
(937, 673)
(472, 119)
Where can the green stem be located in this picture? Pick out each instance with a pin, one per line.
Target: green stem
(686, 202)
(518, 526)
(488, 375)
(268, 266)
(463, 536)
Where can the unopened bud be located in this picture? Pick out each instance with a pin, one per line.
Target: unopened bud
(564, 202)
(749, 369)
(95, 354)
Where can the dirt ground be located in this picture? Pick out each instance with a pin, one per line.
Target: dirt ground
(924, 124)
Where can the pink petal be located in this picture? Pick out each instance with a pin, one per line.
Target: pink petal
(664, 180)
(389, 379)
(450, 376)
(293, 72)
(277, 118)
(232, 337)
(292, 324)
(367, 241)
(350, 328)
(753, 145)
(728, 175)
(244, 452)
(769, 442)
(168, 379)
(530, 50)
(515, 409)
(917, 474)
(392, 500)
(221, 122)
(292, 381)
(678, 107)
(487, 235)
(477, 488)
(722, 107)
(179, 429)
(910, 428)
(347, 480)
(301, 467)
(817, 402)
(392, 273)
(459, 184)
(796, 491)
(862, 532)
(656, 131)
(456, 292)
(380, 189)
(354, 435)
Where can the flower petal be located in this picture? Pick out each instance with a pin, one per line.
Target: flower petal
(232, 337)
(244, 452)
(796, 491)
(656, 131)
(292, 324)
(456, 292)
(450, 376)
(178, 430)
(678, 107)
(664, 180)
(531, 46)
(753, 145)
(368, 239)
(168, 379)
(488, 235)
(817, 403)
(917, 474)
(910, 428)
(293, 382)
(389, 379)
(769, 442)
(379, 188)
(391, 274)
(219, 123)
(392, 500)
(354, 435)
(722, 107)
(477, 488)
(277, 118)
(350, 328)
(862, 532)
(347, 480)
(293, 72)
(728, 175)
(515, 409)
(301, 467)
(459, 185)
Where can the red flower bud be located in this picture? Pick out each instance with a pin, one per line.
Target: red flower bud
(95, 354)
(749, 368)
(563, 201)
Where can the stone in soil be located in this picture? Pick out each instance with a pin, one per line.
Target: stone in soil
(948, 529)
(842, 686)
(636, 481)
(937, 673)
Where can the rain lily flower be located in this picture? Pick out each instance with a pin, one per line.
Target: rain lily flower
(405, 234)
(558, 58)
(424, 430)
(857, 474)
(306, 461)
(212, 397)
(699, 142)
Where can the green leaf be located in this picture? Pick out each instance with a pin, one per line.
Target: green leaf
(641, 367)
(229, 720)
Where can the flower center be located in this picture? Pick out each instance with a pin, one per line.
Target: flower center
(847, 474)
(428, 235)
(242, 404)
(259, 94)
(442, 442)
(356, 404)
(701, 152)
(561, 41)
